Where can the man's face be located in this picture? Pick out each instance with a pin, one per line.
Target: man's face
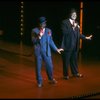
(73, 16)
(43, 25)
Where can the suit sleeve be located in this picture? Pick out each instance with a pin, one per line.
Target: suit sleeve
(35, 37)
(51, 42)
(64, 27)
(82, 36)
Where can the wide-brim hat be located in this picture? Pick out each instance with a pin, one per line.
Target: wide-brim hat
(42, 20)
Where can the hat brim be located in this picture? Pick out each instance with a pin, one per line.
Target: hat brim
(43, 22)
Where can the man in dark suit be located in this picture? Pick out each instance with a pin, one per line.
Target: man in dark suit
(43, 42)
(70, 44)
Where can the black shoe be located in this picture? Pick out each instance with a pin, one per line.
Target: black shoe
(66, 77)
(53, 81)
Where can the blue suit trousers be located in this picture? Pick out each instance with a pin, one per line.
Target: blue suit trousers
(48, 65)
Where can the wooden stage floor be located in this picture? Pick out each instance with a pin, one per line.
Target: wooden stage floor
(17, 76)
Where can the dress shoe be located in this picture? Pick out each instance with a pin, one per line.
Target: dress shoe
(53, 81)
(79, 75)
(39, 85)
(66, 77)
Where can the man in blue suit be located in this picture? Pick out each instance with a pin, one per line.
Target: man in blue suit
(42, 41)
(70, 44)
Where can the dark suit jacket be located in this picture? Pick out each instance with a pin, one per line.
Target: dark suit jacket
(67, 40)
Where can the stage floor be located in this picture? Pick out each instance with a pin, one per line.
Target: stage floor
(17, 76)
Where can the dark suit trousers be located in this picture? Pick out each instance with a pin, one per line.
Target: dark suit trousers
(70, 59)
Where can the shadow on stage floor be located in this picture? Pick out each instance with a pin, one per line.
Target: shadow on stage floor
(17, 76)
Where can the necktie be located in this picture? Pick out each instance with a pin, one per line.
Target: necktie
(73, 23)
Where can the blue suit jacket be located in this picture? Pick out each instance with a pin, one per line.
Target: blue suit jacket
(67, 41)
(44, 44)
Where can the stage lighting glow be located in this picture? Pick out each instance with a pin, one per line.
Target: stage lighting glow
(22, 19)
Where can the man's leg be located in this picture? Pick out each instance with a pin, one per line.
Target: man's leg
(74, 64)
(49, 69)
(66, 59)
(38, 70)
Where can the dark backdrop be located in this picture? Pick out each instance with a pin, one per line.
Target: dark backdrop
(10, 19)
(55, 12)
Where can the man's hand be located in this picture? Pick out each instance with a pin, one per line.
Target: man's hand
(41, 33)
(59, 50)
(89, 37)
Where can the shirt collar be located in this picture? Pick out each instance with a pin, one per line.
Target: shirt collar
(71, 21)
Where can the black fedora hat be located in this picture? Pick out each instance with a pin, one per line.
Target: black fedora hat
(42, 20)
